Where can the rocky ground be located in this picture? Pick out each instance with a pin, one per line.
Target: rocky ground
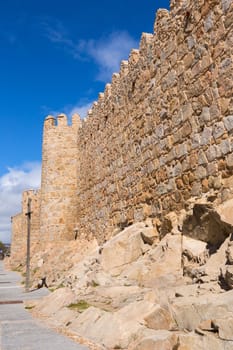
(155, 285)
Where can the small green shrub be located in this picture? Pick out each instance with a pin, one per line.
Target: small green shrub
(80, 306)
(29, 307)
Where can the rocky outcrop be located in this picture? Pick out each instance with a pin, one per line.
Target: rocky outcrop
(171, 292)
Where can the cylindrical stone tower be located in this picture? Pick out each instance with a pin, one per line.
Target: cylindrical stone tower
(59, 178)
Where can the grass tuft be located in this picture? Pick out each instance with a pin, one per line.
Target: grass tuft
(29, 307)
(80, 306)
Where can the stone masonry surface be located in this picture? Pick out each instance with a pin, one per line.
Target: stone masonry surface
(162, 131)
(19, 225)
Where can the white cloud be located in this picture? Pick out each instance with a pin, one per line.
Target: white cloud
(107, 52)
(81, 109)
(57, 34)
(12, 184)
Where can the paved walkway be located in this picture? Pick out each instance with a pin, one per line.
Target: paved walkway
(18, 330)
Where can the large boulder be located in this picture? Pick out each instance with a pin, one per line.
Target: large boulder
(51, 304)
(162, 264)
(125, 248)
(217, 261)
(224, 326)
(194, 251)
(160, 340)
(191, 311)
(160, 318)
(193, 341)
(225, 211)
(113, 329)
(209, 224)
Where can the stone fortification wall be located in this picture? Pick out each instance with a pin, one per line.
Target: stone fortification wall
(162, 131)
(59, 178)
(159, 134)
(19, 226)
(18, 243)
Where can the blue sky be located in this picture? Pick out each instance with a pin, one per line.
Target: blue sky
(56, 56)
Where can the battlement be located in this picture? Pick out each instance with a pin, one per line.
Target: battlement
(62, 121)
(50, 121)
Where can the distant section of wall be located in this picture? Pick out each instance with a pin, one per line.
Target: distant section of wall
(19, 226)
(59, 175)
(18, 243)
(162, 131)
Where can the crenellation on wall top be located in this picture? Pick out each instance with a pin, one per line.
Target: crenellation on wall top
(62, 120)
(115, 80)
(76, 120)
(90, 112)
(108, 90)
(115, 76)
(94, 107)
(161, 18)
(133, 57)
(145, 42)
(147, 37)
(30, 193)
(50, 121)
(101, 95)
(124, 68)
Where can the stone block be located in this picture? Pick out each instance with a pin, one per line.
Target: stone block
(225, 5)
(224, 327)
(177, 169)
(206, 136)
(159, 318)
(212, 169)
(195, 141)
(213, 152)
(225, 147)
(186, 130)
(218, 130)
(200, 172)
(229, 161)
(202, 158)
(228, 122)
(205, 115)
(181, 150)
(196, 189)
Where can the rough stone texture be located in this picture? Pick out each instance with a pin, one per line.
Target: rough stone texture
(160, 318)
(161, 341)
(19, 227)
(123, 249)
(58, 182)
(142, 301)
(134, 147)
(225, 328)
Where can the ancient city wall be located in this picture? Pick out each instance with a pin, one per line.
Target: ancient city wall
(159, 134)
(59, 175)
(18, 244)
(162, 131)
(19, 226)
